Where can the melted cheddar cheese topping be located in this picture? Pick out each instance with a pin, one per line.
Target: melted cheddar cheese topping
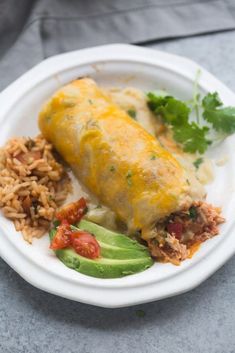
(113, 156)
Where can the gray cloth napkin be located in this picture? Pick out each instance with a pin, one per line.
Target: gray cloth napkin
(31, 30)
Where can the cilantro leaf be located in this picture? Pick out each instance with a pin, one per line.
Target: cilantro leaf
(192, 137)
(155, 101)
(221, 118)
(172, 110)
(211, 101)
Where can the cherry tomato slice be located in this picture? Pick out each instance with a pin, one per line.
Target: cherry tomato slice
(85, 244)
(62, 238)
(73, 212)
(175, 229)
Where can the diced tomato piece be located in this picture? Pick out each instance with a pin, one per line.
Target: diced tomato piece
(26, 204)
(73, 212)
(62, 238)
(85, 244)
(28, 157)
(175, 229)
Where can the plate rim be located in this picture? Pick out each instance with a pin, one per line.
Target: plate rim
(45, 280)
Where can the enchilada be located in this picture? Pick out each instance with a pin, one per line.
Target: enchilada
(128, 170)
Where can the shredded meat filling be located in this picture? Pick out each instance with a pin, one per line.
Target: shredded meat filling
(178, 235)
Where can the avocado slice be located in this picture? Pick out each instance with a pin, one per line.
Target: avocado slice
(113, 245)
(116, 252)
(117, 259)
(102, 268)
(109, 237)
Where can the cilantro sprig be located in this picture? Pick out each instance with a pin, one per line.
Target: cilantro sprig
(194, 136)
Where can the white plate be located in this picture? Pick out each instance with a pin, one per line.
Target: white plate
(115, 65)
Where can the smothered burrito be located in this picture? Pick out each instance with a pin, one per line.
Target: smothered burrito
(129, 171)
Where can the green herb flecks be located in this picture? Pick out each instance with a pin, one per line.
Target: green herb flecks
(198, 162)
(69, 117)
(112, 168)
(153, 157)
(48, 119)
(193, 212)
(129, 177)
(132, 113)
(91, 124)
(90, 101)
(56, 223)
(69, 102)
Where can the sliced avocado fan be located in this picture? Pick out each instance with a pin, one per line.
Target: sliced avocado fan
(120, 255)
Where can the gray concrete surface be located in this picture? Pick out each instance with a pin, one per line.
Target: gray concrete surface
(201, 321)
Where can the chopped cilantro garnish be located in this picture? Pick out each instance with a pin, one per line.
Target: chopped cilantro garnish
(128, 177)
(193, 212)
(56, 223)
(153, 157)
(90, 101)
(198, 162)
(69, 102)
(112, 168)
(132, 113)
